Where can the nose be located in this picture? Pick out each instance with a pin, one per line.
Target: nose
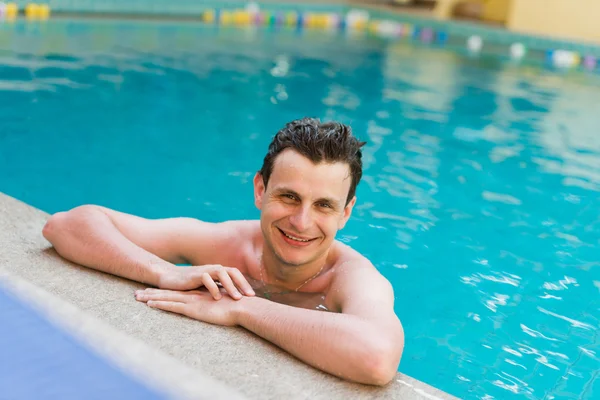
(301, 219)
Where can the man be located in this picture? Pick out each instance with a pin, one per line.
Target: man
(305, 192)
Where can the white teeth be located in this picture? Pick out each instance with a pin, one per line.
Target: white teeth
(296, 239)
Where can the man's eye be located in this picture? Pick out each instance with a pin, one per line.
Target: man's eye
(289, 196)
(325, 205)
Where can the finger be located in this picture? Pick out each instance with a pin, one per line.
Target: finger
(228, 284)
(240, 281)
(161, 295)
(172, 306)
(151, 290)
(211, 286)
(199, 292)
(213, 270)
(156, 291)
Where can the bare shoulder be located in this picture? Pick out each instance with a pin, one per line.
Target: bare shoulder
(356, 284)
(349, 264)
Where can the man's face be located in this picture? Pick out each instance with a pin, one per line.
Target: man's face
(302, 207)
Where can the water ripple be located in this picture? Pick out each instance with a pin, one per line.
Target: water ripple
(574, 323)
(561, 284)
(536, 334)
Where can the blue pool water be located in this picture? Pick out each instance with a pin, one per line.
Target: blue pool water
(481, 184)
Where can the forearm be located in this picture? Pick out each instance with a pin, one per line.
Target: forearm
(88, 237)
(340, 344)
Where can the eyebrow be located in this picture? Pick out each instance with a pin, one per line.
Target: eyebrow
(283, 190)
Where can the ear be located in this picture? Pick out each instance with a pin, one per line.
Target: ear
(347, 213)
(259, 190)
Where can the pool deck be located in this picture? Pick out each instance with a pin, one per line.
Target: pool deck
(174, 355)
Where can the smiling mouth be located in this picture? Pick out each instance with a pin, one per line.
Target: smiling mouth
(296, 239)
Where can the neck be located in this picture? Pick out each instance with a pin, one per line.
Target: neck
(291, 277)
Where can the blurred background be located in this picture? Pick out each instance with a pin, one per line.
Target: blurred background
(574, 19)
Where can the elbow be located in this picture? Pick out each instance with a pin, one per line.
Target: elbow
(380, 369)
(52, 226)
(382, 361)
(58, 222)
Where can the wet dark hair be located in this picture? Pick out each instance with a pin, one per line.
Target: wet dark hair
(319, 142)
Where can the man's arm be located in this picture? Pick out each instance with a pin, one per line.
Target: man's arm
(133, 247)
(363, 343)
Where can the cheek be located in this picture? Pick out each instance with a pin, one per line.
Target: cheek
(329, 225)
(341, 222)
(274, 211)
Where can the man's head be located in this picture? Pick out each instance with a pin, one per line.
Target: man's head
(306, 188)
(328, 142)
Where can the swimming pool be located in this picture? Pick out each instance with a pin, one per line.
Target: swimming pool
(481, 182)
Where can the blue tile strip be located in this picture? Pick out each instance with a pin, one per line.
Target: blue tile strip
(39, 361)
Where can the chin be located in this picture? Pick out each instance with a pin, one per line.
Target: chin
(292, 261)
(298, 258)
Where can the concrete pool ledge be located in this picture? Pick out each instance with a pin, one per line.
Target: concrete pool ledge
(175, 355)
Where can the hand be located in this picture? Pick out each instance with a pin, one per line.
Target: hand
(188, 278)
(195, 304)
